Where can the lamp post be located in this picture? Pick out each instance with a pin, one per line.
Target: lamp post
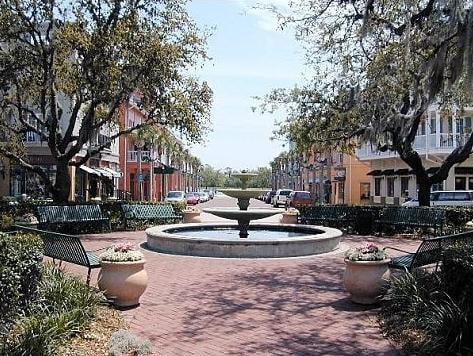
(139, 145)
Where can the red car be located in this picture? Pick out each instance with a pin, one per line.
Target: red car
(299, 198)
(192, 199)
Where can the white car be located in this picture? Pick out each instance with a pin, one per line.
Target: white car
(204, 196)
(281, 196)
(175, 196)
(447, 197)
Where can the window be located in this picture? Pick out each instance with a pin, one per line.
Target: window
(470, 183)
(433, 124)
(404, 187)
(364, 191)
(377, 187)
(421, 129)
(467, 124)
(460, 183)
(445, 196)
(437, 187)
(390, 186)
(462, 196)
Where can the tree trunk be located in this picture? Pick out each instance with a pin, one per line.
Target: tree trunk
(424, 191)
(62, 187)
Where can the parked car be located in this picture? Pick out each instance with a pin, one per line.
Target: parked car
(192, 199)
(446, 197)
(280, 197)
(175, 196)
(204, 197)
(299, 198)
(269, 197)
(210, 193)
(197, 195)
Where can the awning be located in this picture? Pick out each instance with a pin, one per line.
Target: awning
(163, 169)
(89, 170)
(104, 173)
(376, 172)
(402, 172)
(388, 172)
(114, 174)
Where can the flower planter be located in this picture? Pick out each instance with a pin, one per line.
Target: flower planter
(364, 280)
(191, 217)
(123, 282)
(288, 218)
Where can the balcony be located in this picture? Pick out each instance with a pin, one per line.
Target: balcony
(439, 143)
(145, 156)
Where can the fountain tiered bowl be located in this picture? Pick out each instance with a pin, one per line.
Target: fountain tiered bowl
(245, 238)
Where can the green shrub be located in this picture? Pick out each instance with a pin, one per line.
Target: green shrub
(63, 307)
(432, 313)
(20, 273)
(457, 273)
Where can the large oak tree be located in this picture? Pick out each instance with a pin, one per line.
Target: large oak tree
(66, 68)
(377, 66)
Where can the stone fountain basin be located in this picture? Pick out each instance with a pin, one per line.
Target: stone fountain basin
(243, 193)
(250, 214)
(172, 239)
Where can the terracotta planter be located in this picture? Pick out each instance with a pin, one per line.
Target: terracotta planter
(191, 217)
(364, 280)
(288, 219)
(123, 282)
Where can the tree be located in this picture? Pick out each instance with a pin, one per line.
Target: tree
(263, 178)
(378, 66)
(212, 177)
(66, 68)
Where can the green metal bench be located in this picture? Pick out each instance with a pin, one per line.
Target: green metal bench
(66, 248)
(61, 217)
(327, 215)
(403, 217)
(149, 213)
(430, 251)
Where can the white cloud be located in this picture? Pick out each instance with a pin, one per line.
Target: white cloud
(266, 19)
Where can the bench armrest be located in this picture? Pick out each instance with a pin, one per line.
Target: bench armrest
(397, 249)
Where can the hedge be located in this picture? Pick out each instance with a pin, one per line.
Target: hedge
(112, 209)
(20, 273)
(365, 216)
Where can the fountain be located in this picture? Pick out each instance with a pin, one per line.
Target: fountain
(243, 240)
(243, 196)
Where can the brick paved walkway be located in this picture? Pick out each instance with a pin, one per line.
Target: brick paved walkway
(294, 306)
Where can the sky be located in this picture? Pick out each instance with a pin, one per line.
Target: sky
(250, 56)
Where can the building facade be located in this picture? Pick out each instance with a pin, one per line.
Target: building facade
(331, 178)
(393, 182)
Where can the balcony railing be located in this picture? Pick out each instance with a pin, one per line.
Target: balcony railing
(432, 143)
(145, 156)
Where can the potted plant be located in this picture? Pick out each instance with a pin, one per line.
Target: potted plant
(28, 219)
(366, 273)
(122, 276)
(290, 216)
(191, 214)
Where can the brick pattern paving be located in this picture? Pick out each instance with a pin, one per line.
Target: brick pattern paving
(206, 306)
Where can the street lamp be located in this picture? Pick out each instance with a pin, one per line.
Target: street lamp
(139, 143)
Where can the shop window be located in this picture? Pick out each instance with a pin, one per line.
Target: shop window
(364, 191)
(390, 186)
(460, 183)
(404, 187)
(377, 187)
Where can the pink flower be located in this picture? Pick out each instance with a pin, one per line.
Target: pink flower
(123, 247)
